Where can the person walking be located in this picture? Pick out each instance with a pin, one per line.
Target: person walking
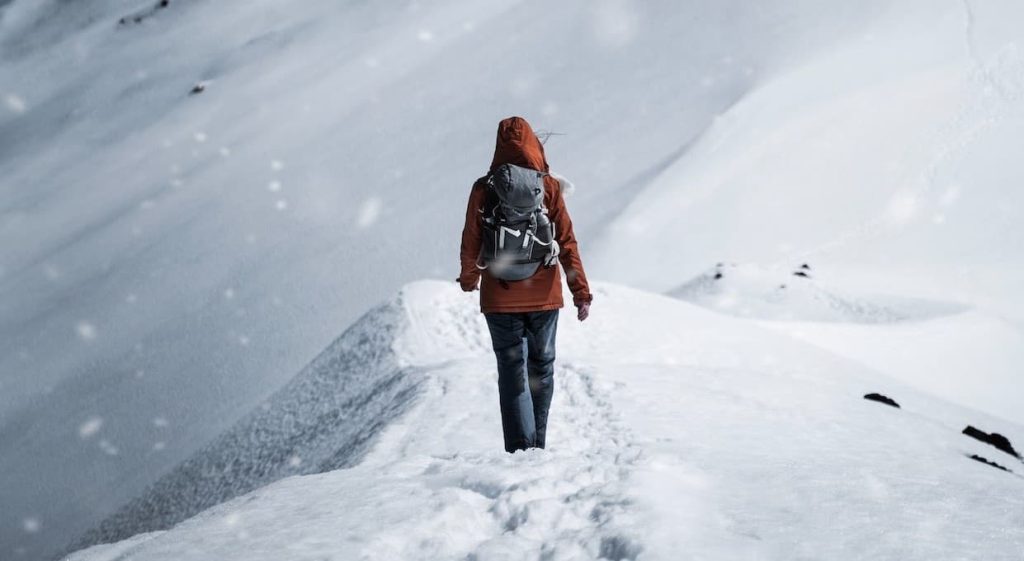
(517, 232)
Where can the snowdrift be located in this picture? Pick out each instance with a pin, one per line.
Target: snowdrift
(675, 433)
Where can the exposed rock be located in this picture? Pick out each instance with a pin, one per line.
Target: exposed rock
(882, 399)
(141, 15)
(992, 439)
(978, 458)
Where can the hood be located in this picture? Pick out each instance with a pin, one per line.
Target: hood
(518, 145)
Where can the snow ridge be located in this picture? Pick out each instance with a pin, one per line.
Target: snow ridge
(675, 433)
(325, 419)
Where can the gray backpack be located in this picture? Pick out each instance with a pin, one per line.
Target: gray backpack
(517, 235)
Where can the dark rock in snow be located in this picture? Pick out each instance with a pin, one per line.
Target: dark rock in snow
(198, 88)
(718, 275)
(978, 458)
(801, 274)
(141, 15)
(993, 439)
(805, 267)
(882, 399)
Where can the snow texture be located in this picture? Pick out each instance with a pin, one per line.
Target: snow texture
(689, 435)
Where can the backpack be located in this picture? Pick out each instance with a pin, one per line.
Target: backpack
(517, 234)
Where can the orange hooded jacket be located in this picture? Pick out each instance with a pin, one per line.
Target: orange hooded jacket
(517, 144)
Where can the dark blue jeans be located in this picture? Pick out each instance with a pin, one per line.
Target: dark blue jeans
(524, 344)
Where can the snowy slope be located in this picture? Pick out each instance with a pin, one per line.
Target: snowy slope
(890, 163)
(891, 153)
(675, 433)
(168, 261)
(962, 353)
(324, 419)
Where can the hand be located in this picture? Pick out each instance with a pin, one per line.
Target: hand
(583, 311)
(467, 287)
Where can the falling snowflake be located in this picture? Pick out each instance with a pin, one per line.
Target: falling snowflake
(225, 151)
(158, 446)
(131, 298)
(108, 448)
(243, 340)
(199, 136)
(15, 103)
(31, 525)
(276, 165)
(86, 331)
(295, 461)
(281, 204)
(425, 35)
(90, 427)
(160, 422)
(229, 293)
(274, 186)
(369, 212)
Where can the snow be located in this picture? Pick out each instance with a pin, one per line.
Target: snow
(316, 171)
(671, 438)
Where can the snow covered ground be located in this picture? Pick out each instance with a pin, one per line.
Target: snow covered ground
(170, 263)
(675, 433)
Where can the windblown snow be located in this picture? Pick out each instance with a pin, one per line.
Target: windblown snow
(689, 435)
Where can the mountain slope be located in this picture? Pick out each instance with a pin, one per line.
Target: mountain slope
(322, 420)
(675, 433)
(168, 261)
(892, 152)
(888, 163)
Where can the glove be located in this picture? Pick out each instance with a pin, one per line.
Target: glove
(583, 311)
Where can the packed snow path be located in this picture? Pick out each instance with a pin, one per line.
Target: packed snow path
(675, 433)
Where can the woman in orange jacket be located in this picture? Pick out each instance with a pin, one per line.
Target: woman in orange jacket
(522, 315)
